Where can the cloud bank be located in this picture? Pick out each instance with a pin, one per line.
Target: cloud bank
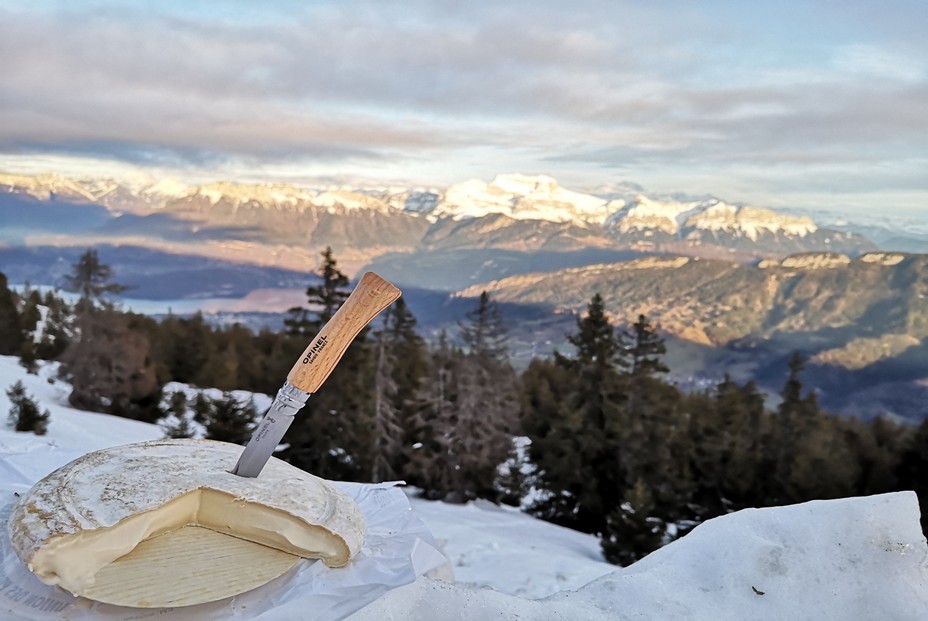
(800, 97)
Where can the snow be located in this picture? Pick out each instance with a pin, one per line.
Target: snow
(349, 201)
(168, 188)
(750, 221)
(271, 195)
(511, 542)
(44, 186)
(517, 196)
(859, 558)
(521, 197)
(71, 432)
(650, 213)
(669, 216)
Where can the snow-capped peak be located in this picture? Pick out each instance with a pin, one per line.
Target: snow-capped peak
(521, 197)
(750, 221)
(349, 201)
(675, 217)
(516, 196)
(276, 195)
(168, 188)
(44, 186)
(646, 213)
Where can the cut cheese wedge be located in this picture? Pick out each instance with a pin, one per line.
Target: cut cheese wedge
(98, 508)
(214, 566)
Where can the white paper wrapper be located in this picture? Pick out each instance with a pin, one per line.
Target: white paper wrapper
(398, 548)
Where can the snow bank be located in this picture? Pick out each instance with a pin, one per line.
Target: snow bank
(502, 548)
(71, 432)
(858, 558)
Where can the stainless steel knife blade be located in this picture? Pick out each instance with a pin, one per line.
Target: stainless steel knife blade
(267, 435)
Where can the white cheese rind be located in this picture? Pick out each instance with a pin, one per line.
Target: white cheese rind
(101, 505)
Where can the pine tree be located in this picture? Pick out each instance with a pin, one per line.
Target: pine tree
(408, 357)
(812, 460)
(632, 531)
(400, 367)
(185, 347)
(575, 444)
(410, 364)
(91, 279)
(879, 446)
(429, 426)
(650, 424)
(646, 349)
(31, 314)
(748, 460)
(331, 293)
(552, 428)
(789, 429)
(180, 426)
(480, 426)
(229, 420)
(27, 358)
(11, 329)
(484, 334)
(110, 368)
(299, 323)
(57, 324)
(729, 449)
(599, 350)
(480, 433)
(202, 408)
(388, 433)
(109, 365)
(25, 413)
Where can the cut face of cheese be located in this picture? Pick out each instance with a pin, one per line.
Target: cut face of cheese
(98, 508)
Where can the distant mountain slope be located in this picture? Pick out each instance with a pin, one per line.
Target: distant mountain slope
(862, 323)
(829, 297)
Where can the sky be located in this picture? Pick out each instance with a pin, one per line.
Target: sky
(806, 104)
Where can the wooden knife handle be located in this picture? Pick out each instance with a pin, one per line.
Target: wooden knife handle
(370, 296)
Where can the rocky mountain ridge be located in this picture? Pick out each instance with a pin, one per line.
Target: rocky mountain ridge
(650, 223)
(716, 302)
(861, 322)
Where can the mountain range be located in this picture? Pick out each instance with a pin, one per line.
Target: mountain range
(512, 212)
(734, 287)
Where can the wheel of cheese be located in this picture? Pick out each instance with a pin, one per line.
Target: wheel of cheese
(98, 508)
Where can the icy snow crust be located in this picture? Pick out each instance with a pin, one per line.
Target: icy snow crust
(858, 558)
(836, 560)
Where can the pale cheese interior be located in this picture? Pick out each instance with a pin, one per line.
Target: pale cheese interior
(72, 561)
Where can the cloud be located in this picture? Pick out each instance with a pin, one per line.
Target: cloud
(607, 85)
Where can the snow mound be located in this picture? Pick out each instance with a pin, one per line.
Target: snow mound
(857, 558)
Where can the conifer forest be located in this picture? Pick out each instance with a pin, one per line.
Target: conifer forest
(592, 438)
